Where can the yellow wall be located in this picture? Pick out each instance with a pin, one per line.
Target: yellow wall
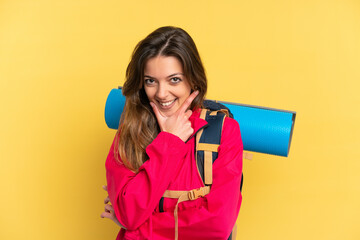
(60, 59)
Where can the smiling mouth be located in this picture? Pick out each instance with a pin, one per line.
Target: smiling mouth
(167, 104)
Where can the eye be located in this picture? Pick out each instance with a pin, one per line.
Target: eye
(149, 81)
(175, 80)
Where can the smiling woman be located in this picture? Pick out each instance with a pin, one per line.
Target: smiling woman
(154, 184)
(164, 52)
(165, 84)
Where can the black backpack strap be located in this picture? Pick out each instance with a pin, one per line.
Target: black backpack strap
(214, 114)
(216, 106)
(207, 143)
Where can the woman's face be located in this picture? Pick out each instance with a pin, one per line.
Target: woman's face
(165, 84)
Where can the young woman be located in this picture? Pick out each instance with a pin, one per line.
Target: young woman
(154, 149)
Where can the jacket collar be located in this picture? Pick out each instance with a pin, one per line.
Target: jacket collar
(196, 122)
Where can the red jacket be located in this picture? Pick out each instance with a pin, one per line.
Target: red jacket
(172, 166)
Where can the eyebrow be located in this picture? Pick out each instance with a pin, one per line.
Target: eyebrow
(174, 74)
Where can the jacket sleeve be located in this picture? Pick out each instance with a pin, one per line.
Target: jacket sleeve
(220, 208)
(134, 196)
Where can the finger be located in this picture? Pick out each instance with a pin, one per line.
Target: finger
(188, 102)
(107, 215)
(104, 187)
(111, 217)
(109, 208)
(188, 114)
(158, 114)
(106, 200)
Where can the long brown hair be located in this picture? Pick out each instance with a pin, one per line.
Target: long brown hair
(138, 125)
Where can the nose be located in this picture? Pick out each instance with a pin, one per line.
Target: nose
(162, 91)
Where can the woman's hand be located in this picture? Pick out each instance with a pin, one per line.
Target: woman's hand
(178, 123)
(109, 210)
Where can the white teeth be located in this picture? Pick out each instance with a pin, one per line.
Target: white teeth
(167, 103)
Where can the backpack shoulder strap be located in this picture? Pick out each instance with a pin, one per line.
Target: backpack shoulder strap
(207, 143)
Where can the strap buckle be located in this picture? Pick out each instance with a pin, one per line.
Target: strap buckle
(196, 193)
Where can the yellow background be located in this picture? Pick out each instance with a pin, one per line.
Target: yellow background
(60, 59)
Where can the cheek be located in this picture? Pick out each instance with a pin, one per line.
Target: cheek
(186, 92)
(184, 96)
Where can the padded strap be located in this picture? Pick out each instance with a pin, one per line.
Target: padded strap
(207, 147)
(207, 143)
(233, 233)
(247, 155)
(203, 114)
(198, 135)
(208, 161)
(191, 194)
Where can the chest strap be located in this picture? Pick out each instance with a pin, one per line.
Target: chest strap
(185, 196)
